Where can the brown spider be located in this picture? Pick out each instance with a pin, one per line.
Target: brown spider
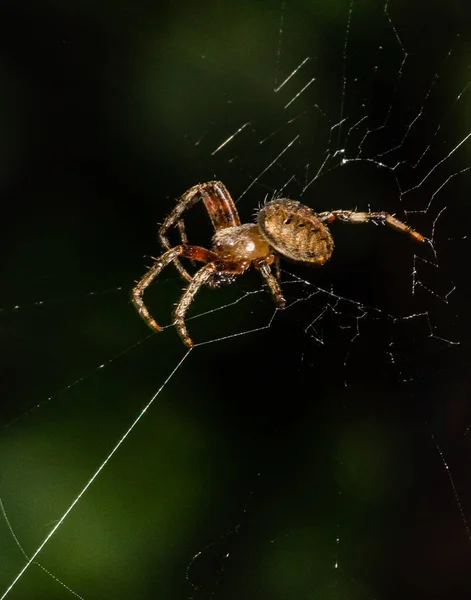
(284, 228)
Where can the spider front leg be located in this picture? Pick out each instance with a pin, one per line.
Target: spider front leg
(219, 205)
(385, 218)
(193, 252)
(201, 277)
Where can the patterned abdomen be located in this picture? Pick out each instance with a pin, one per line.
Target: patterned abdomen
(295, 231)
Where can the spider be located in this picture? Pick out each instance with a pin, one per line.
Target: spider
(284, 228)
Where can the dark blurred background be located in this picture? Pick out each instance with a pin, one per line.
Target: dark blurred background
(271, 465)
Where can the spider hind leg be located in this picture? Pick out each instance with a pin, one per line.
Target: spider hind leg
(383, 218)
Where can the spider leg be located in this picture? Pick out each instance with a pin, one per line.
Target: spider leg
(277, 266)
(185, 202)
(264, 267)
(194, 252)
(182, 230)
(183, 237)
(385, 218)
(200, 278)
(219, 205)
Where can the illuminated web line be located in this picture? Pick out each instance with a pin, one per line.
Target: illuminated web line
(301, 91)
(292, 74)
(440, 162)
(343, 119)
(412, 123)
(400, 74)
(226, 535)
(279, 155)
(238, 334)
(368, 132)
(437, 191)
(32, 558)
(79, 380)
(17, 542)
(437, 129)
(106, 363)
(230, 138)
(336, 299)
(318, 290)
(280, 37)
(284, 126)
(364, 311)
(416, 282)
(61, 299)
(453, 486)
(344, 69)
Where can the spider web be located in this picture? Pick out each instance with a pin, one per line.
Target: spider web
(321, 451)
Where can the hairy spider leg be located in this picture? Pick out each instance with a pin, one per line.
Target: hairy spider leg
(200, 278)
(219, 206)
(183, 240)
(352, 216)
(264, 267)
(277, 266)
(182, 231)
(193, 252)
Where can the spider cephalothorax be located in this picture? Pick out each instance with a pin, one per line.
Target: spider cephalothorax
(284, 228)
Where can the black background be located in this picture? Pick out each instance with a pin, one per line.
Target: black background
(268, 453)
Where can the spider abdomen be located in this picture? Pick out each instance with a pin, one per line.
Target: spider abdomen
(295, 231)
